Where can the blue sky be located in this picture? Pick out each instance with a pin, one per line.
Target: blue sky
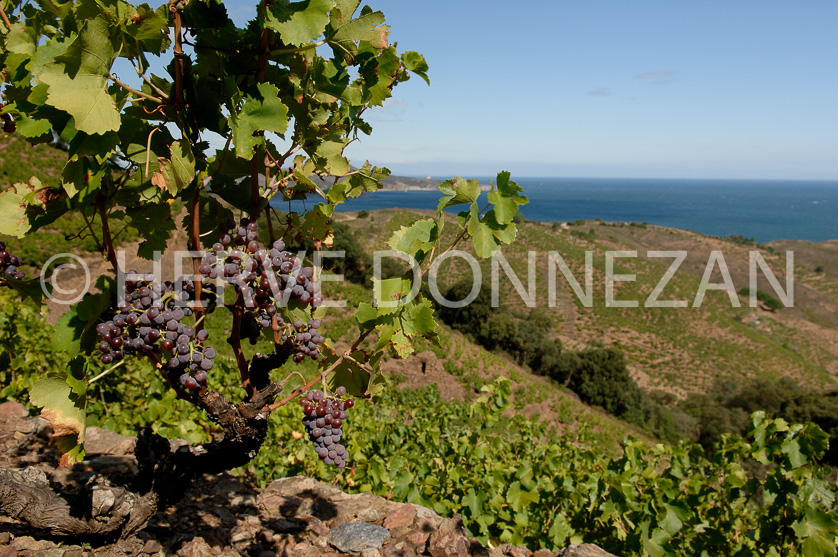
(711, 89)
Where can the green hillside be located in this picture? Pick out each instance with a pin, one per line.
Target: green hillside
(674, 350)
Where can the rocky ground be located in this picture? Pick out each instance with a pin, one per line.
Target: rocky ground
(224, 516)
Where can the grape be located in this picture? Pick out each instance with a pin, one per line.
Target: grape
(148, 322)
(267, 280)
(9, 265)
(323, 426)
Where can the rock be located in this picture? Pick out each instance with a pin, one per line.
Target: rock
(5, 538)
(400, 549)
(74, 551)
(28, 543)
(419, 541)
(196, 547)
(356, 536)
(8, 551)
(449, 538)
(105, 441)
(401, 518)
(12, 409)
(584, 550)
(299, 496)
(544, 553)
(152, 546)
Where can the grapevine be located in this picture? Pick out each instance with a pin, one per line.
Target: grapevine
(139, 153)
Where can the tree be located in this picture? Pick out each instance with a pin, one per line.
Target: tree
(285, 95)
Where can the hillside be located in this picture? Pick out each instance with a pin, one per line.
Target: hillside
(675, 350)
(669, 350)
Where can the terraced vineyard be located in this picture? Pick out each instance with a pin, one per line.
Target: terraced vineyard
(677, 350)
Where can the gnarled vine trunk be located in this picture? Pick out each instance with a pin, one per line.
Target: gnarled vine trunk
(104, 509)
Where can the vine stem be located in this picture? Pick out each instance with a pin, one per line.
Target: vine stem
(455, 242)
(134, 91)
(107, 371)
(235, 341)
(5, 18)
(148, 150)
(106, 235)
(178, 53)
(254, 186)
(196, 261)
(322, 375)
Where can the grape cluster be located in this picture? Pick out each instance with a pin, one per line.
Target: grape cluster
(149, 322)
(9, 264)
(323, 418)
(267, 279)
(306, 339)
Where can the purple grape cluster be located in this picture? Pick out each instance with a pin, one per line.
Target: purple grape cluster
(9, 264)
(148, 321)
(306, 339)
(267, 279)
(323, 418)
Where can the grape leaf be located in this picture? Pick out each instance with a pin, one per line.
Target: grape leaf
(415, 62)
(299, 23)
(76, 328)
(77, 80)
(458, 191)
(482, 236)
(362, 28)
(505, 207)
(64, 408)
(262, 111)
(13, 220)
(415, 239)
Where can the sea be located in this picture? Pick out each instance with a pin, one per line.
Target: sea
(759, 209)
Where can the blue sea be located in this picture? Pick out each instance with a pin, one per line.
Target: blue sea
(758, 209)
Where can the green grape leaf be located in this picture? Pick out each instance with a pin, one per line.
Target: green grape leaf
(672, 520)
(32, 127)
(365, 316)
(401, 343)
(508, 188)
(362, 28)
(482, 235)
(75, 330)
(392, 294)
(818, 546)
(813, 441)
(458, 191)
(415, 62)
(317, 221)
(419, 318)
(519, 498)
(64, 408)
(183, 162)
(299, 23)
(262, 111)
(473, 502)
(13, 219)
(330, 155)
(155, 223)
(415, 239)
(78, 80)
(349, 373)
(385, 75)
(505, 207)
